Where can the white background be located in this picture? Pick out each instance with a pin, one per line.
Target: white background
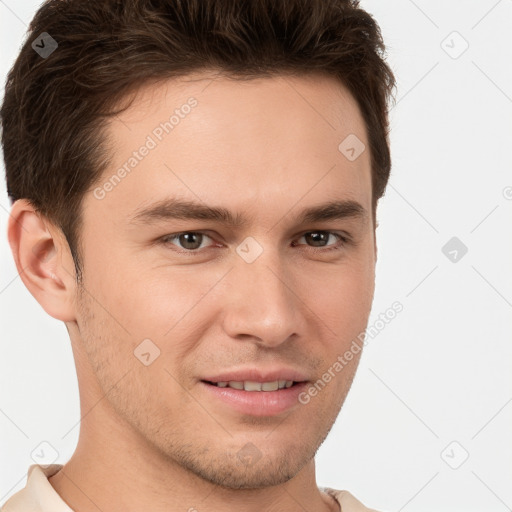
(441, 370)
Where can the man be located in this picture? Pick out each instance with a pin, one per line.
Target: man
(194, 189)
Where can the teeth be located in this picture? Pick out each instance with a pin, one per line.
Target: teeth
(249, 385)
(252, 386)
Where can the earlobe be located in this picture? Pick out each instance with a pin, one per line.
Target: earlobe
(39, 254)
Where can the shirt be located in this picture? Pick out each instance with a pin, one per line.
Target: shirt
(38, 495)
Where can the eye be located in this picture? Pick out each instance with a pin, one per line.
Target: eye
(320, 238)
(192, 241)
(189, 240)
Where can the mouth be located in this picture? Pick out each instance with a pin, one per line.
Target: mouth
(248, 385)
(254, 398)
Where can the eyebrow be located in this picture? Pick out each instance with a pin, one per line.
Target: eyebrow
(172, 208)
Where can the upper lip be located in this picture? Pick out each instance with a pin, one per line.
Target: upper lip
(258, 375)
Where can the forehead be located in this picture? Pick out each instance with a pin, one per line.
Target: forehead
(220, 139)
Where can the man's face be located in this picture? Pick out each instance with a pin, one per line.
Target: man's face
(268, 293)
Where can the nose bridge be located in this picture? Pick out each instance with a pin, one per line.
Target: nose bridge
(261, 303)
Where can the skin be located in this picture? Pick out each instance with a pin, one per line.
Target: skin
(150, 438)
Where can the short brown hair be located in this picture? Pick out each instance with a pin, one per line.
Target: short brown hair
(55, 108)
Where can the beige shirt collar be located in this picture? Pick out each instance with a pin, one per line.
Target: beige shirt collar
(38, 495)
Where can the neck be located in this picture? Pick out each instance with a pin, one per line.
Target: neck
(114, 469)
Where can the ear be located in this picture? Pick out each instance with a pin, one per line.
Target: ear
(43, 260)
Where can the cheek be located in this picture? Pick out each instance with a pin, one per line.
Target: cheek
(342, 308)
(342, 297)
(169, 306)
(146, 299)
(168, 298)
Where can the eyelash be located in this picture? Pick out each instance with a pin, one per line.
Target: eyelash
(343, 240)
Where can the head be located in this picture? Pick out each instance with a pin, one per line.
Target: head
(272, 117)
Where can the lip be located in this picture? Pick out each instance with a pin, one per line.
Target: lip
(258, 375)
(256, 403)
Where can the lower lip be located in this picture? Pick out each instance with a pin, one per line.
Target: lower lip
(258, 403)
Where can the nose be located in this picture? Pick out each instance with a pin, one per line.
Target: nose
(263, 303)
